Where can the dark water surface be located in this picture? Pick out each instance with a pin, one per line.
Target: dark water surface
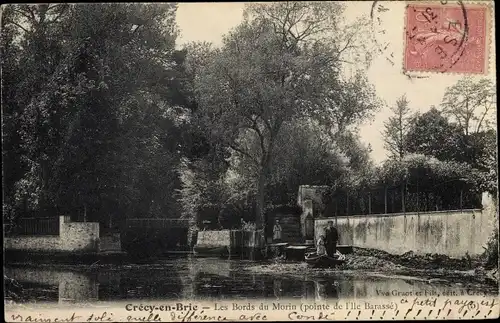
(207, 278)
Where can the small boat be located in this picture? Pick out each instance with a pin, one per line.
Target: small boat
(324, 261)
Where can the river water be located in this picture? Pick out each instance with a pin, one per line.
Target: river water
(209, 279)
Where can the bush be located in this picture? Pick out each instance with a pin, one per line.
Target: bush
(491, 251)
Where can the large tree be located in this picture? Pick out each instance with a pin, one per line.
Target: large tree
(94, 106)
(471, 104)
(282, 63)
(432, 134)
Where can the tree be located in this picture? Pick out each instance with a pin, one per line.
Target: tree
(31, 52)
(281, 64)
(94, 106)
(396, 128)
(432, 134)
(304, 156)
(433, 183)
(470, 104)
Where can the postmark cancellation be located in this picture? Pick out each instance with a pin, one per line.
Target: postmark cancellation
(447, 37)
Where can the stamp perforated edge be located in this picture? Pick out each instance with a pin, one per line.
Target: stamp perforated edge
(489, 26)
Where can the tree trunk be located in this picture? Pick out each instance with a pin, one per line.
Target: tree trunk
(260, 201)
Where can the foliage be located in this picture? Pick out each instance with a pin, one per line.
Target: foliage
(276, 67)
(89, 88)
(491, 251)
(304, 156)
(432, 134)
(102, 116)
(200, 195)
(429, 171)
(470, 104)
(396, 128)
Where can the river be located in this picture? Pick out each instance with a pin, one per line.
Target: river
(206, 279)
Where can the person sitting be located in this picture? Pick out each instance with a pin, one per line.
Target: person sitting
(320, 246)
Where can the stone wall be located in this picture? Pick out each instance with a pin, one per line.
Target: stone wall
(229, 238)
(73, 236)
(451, 233)
(311, 192)
(209, 238)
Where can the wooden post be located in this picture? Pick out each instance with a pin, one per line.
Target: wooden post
(385, 200)
(336, 206)
(347, 204)
(418, 198)
(403, 187)
(393, 198)
(461, 199)
(370, 203)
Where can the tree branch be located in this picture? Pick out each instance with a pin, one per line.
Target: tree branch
(244, 153)
(16, 24)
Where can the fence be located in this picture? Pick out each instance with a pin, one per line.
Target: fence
(34, 226)
(157, 223)
(398, 200)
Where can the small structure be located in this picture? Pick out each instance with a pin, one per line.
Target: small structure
(309, 198)
(227, 243)
(72, 237)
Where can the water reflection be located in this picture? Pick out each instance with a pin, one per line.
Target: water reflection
(196, 279)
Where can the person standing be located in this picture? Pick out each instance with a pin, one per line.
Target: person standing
(277, 230)
(331, 237)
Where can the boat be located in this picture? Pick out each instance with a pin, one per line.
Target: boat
(324, 261)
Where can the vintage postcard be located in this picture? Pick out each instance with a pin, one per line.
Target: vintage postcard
(249, 161)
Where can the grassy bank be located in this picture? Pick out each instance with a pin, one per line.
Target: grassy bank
(433, 266)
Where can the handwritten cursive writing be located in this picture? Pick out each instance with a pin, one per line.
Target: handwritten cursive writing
(32, 318)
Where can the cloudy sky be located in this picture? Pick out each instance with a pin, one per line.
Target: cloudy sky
(210, 21)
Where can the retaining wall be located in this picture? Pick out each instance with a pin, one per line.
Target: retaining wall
(451, 233)
(229, 238)
(73, 236)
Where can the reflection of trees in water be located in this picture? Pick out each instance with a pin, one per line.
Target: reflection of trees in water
(44, 284)
(21, 291)
(208, 285)
(277, 288)
(326, 289)
(192, 278)
(142, 284)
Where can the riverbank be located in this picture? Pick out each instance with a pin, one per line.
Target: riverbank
(429, 267)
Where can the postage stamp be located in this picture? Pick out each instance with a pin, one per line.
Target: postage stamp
(446, 36)
(259, 161)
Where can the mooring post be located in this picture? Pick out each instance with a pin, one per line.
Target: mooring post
(461, 200)
(369, 203)
(385, 200)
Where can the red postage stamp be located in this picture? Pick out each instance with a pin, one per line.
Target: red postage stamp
(446, 36)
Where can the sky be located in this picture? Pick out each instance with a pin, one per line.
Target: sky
(210, 21)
